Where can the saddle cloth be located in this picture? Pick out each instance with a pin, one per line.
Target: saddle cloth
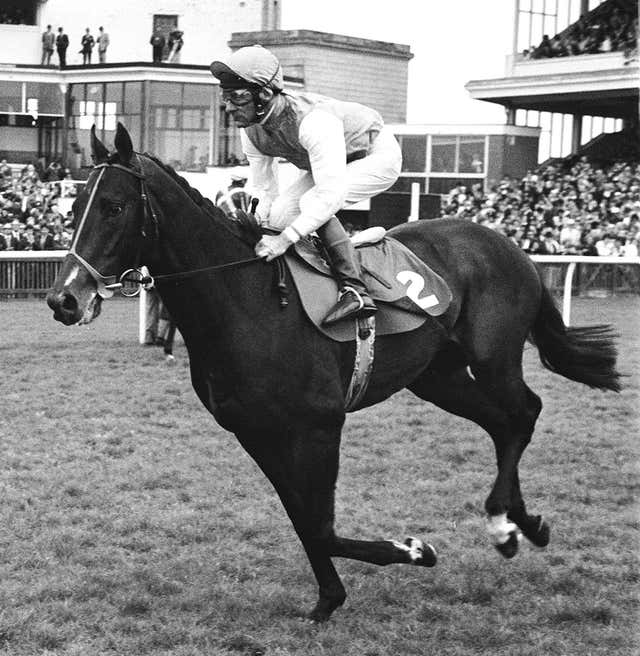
(405, 289)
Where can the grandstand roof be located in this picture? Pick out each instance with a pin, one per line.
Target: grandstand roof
(611, 94)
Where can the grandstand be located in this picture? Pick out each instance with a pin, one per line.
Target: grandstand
(589, 90)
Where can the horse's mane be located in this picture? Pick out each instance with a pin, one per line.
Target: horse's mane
(247, 228)
(205, 203)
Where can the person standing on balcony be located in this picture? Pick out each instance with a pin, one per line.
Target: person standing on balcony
(103, 44)
(175, 45)
(62, 43)
(87, 43)
(48, 41)
(157, 44)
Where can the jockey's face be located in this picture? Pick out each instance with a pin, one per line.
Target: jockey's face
(241, 105)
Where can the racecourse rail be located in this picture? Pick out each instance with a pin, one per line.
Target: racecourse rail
(31, 273)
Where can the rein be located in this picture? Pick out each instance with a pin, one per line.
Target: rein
(106, 284)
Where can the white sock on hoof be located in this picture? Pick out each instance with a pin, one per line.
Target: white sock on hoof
(414, 548)
(500, 528)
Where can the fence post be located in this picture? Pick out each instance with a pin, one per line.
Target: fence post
(566, 300)
(414, 213)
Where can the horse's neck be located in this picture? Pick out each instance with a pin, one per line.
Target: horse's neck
(191, 238)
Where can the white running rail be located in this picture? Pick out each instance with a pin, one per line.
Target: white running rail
(572, 261)
(10, 259)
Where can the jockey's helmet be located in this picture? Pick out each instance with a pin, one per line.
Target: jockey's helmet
(252, 66)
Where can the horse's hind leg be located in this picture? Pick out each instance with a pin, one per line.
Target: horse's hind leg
(508, 413)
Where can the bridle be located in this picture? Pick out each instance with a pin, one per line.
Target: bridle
(107, 284)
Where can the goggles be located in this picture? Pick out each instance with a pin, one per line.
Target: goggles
(237, 97)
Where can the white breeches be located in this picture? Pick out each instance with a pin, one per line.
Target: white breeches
(366, 177)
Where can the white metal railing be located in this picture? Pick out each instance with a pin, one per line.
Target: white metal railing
(572, 261)
(12, 265)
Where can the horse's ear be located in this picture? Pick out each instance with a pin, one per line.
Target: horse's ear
(99, 152)
(123, 144)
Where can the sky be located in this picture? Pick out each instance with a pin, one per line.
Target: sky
(453, 41)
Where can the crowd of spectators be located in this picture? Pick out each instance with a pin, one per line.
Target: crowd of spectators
(30, 218)
(570, 209)
(613, 26)
(579, 209)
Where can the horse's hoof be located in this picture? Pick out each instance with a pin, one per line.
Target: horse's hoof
(509, 548)
(323, 609)
(421, 554)
(536, 530)
(542, 535)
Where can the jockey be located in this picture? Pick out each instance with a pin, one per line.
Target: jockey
(343, 151)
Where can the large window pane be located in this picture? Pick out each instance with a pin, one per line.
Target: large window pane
(49, 97)
(132, 97)
(414, 152)
(94, 92)
(166, 93)
(193, 119)
(471, 158)
(11, 97)
(195, 149)
(443, 154)
(198, 94)
(114, 95)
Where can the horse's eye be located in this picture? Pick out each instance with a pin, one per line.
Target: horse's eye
(114, 210)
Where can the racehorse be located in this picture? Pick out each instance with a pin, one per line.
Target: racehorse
(270, 377)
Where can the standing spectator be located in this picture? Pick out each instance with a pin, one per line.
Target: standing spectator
(153, 311)
(87, 43)
(62, 43)
(48, 40)
(103, 44)
(5, 237)
(570, 236)
(175, 44)
(44, 241)
(5, 174)
(53, 172)
(550, 245)
(157, 43)
(17, 240)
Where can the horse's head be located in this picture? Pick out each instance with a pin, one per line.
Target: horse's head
(110, 218)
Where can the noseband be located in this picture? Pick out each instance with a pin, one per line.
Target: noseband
(107, 284)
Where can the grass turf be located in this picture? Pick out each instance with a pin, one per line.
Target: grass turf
(132, 524)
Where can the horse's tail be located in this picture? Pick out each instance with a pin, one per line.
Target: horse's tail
(586, 355)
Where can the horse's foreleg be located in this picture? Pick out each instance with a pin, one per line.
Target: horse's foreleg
(303, 470)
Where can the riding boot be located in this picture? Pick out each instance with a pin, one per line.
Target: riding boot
(354, 301)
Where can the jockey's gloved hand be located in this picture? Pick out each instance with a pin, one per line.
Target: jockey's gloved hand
(272, 246)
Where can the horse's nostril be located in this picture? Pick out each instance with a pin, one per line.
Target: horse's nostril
(69, 303)
(62, 302)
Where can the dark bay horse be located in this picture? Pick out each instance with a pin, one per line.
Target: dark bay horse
(267, 375)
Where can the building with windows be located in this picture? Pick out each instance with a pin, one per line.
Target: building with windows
(172, 109)
(439, 157)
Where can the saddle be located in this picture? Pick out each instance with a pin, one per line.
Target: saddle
(406, 290)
